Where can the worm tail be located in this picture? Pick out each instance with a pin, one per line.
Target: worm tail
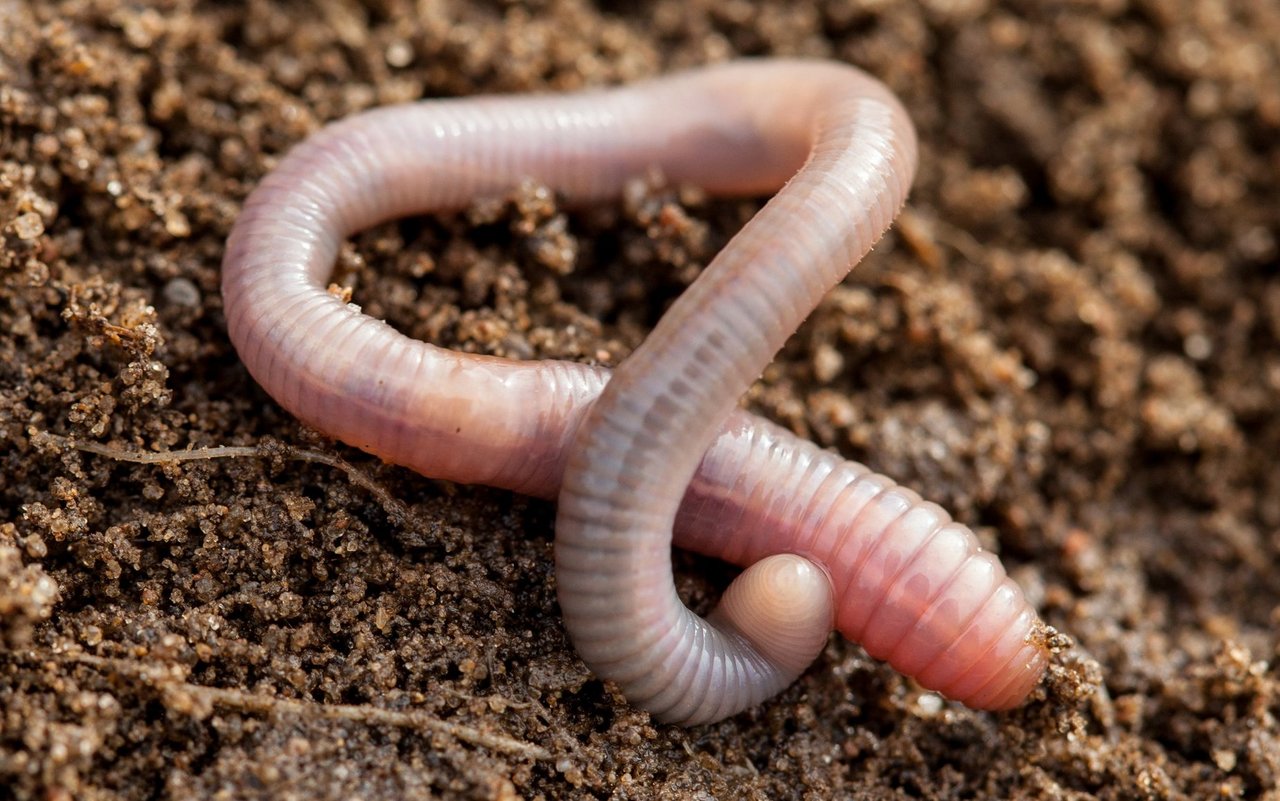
(914, 587)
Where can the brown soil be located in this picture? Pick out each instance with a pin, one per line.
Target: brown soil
(1072, 341)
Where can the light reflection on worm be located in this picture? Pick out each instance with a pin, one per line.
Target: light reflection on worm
(910, 585)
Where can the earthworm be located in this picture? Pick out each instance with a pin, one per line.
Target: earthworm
(912, 586)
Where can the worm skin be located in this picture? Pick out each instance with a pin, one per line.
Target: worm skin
(912, 586)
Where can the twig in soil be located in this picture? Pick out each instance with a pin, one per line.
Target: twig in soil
(163, 678)
(393, 507)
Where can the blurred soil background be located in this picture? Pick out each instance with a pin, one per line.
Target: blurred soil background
(1071, 340)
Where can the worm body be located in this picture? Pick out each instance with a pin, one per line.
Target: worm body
(908, 583)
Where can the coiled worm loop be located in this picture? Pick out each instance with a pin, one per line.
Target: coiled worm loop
(907, 581)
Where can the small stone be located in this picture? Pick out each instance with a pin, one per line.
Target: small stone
(28, 226)
(182, 292)
(827, 363)
(399, 54)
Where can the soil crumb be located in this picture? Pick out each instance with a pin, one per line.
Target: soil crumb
(1071, 340)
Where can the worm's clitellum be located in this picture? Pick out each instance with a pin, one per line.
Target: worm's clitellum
(909, 584)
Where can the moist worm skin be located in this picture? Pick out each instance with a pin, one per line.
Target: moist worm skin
(912, 586)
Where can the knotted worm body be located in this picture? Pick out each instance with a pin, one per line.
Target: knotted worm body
(910, 585)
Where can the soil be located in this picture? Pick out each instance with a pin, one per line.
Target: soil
(1071, 340)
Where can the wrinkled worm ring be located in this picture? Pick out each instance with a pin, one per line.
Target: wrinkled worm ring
(908, 583)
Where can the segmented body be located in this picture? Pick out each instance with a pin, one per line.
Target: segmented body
(912, 586)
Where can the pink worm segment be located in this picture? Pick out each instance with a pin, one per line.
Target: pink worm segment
(912, 586)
